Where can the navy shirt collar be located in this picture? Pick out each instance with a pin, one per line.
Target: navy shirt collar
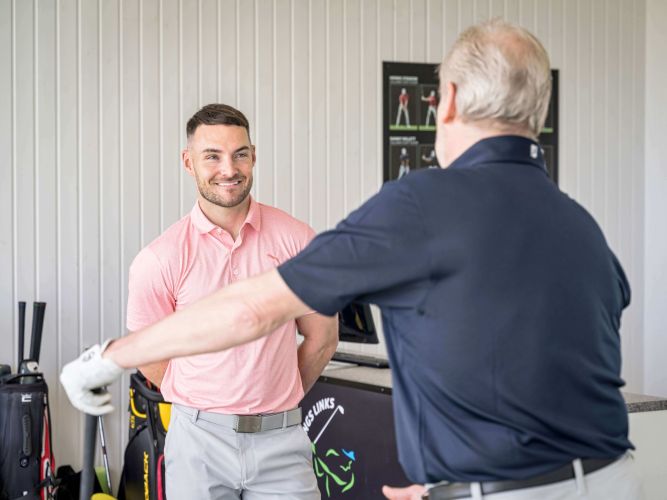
(500, 149)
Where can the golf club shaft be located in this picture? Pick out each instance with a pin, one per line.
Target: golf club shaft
(88, 471)
(21, 334)
(105, 456)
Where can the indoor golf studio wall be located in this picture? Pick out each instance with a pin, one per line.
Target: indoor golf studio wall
(94, 96)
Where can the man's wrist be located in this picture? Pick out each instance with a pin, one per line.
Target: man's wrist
(108, 351)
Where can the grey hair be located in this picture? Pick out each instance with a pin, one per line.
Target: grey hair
(502, 76)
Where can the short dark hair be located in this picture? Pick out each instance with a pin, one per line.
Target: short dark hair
(216, 114)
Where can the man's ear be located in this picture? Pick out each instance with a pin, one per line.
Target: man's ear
(449, 110)
(187, 161)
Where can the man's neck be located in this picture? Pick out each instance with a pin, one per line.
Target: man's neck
(468, 134)
(230, 219)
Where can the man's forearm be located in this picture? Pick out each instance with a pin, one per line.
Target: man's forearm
(233, 315)
(313, 358)
(320, 339)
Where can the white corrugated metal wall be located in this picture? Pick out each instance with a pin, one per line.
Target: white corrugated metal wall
(94, 95)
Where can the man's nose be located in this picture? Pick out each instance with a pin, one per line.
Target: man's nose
(226, 166)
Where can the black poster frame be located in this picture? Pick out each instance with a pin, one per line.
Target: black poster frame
(409, 144)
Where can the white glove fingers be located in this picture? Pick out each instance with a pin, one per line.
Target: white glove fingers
(97, 411)
(92, 399)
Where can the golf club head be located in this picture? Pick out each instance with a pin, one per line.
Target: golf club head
(4, 371)
(28, 366)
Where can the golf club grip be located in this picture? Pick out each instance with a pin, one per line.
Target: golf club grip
(88, 471)
(21, 333)
(37, 325)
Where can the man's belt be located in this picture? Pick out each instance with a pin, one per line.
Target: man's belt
(452, 491)
(246, 423)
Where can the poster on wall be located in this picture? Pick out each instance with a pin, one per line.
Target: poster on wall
(410, 109)
(353, 442)
(549, 137)
(410, 95)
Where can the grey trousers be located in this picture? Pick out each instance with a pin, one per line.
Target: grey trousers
(210, 461)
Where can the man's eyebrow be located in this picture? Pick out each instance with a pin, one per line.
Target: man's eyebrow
(215, 150)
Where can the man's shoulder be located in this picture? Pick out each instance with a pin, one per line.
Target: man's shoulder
(171, 240)
(284, 229)
(277, 217)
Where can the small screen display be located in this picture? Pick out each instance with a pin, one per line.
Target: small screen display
(355, 324)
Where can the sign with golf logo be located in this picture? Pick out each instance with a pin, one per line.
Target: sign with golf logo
(353, 442)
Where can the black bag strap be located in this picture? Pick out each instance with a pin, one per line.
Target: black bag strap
(140, 386)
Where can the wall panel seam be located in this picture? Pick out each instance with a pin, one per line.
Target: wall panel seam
(292, 113)
(36, 150)
(142, 166)
(327, 127)
(79, 145)
(311, 181)
(161, 165)
(59, 313)
(345, 83)
(14, 180)
(100, 171)
(274, 135)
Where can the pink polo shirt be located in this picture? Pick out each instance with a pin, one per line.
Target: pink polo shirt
(194, 258)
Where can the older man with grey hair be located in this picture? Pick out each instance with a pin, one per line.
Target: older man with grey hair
(503, 325)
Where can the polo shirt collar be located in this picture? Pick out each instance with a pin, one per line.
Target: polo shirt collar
(500, 149)
(204, 225)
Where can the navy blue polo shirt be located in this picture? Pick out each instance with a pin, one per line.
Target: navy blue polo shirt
(501, 306)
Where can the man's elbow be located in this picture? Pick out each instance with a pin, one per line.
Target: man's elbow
(331, 343)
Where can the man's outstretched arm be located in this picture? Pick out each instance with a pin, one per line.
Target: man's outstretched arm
(234, 315)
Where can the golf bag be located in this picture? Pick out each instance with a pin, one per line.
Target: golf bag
(143, 468)
(26, 457)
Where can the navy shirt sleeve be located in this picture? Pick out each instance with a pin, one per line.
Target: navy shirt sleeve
(379, 247)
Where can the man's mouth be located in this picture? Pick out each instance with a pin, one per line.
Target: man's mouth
(228, 183)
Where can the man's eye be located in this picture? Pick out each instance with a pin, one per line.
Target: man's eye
(241, 155)
(211, 157)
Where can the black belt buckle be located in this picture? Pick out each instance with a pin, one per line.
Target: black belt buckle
(246, 424)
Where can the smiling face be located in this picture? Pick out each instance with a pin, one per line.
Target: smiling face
(221, 159)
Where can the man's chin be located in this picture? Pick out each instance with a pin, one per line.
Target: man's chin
(230, 202)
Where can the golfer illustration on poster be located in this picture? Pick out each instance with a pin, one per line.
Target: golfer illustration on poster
(403, 157)
(429, 106)
(427, 157)
(353, 444)
(404, 105)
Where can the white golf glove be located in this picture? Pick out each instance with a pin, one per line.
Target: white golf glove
(87, 373)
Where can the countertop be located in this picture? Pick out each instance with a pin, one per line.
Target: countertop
(379, 380)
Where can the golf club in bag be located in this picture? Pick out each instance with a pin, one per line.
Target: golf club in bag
(143, 468)
(26, 457)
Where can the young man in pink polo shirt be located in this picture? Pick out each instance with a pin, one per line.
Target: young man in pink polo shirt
(217, 445)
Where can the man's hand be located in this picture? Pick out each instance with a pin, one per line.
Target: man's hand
(413, 492)
(85, 374)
